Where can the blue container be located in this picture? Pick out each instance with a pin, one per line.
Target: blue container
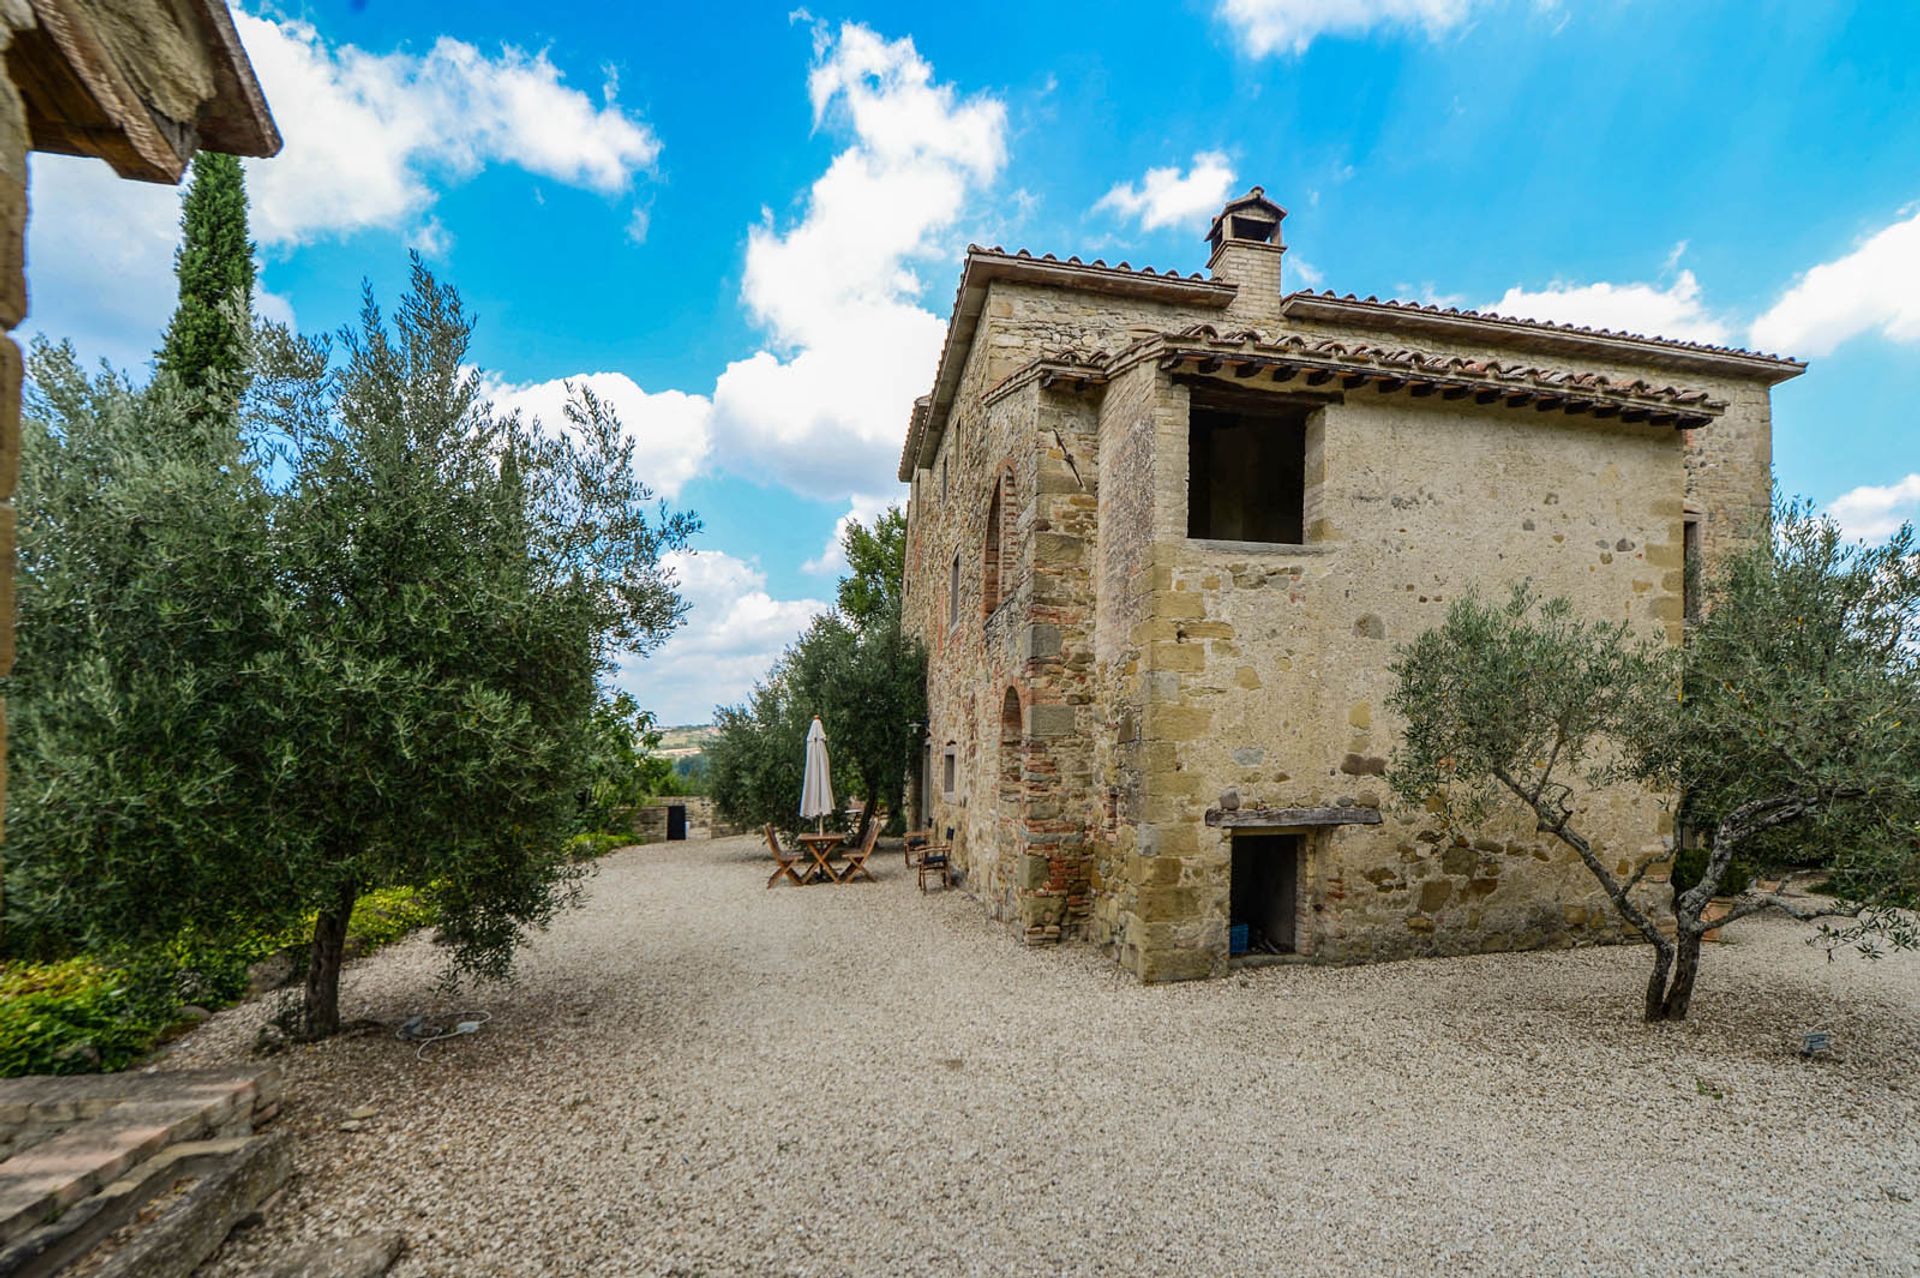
(1237, 938)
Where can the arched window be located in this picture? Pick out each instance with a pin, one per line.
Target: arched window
(990, 560)
(1012, 765)
(997, 558)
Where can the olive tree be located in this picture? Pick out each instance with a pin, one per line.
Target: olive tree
(1790, 705)
(455, 587)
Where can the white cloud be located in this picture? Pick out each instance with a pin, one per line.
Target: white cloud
(734, 632)
(1675, 311)
(863, 507)
(1877, 286)
(670, 429)
(365, 133)
(100, 258)
(823, 409)
(1166, 197)
(369, 141)
(1271, 26)
(1873, 513)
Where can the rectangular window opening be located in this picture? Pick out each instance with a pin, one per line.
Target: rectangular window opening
(953, 591)
(1264, 894)
(949, 772)
(1247, 472)
(1690, 565)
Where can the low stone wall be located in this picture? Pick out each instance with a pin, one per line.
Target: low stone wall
(650, 821)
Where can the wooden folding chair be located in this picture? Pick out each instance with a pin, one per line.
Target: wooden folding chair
(784, 860)
(934, 861)
(914, 842)
(857, 857)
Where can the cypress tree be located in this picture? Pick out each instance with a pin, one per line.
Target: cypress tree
(206, 340)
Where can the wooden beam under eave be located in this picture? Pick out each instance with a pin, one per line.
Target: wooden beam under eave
(1290, 818)
(1285, 372)
(1485, 396)
(1547, 403)
(1245, 368)
(1208, 365)
(1454, 392)
(1387, 385)
(1606, 410)
(1319, 377)
(1420, 390)
(1635, 414)
(1354, 381)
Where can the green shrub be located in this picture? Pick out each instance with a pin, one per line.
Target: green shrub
(77, 1017)
(384, 916)
(590, 847)
(1690, 863)
(85, 1015)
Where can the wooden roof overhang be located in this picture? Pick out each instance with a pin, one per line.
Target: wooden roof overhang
(927, 424)
(1327, 364)
(84, 97)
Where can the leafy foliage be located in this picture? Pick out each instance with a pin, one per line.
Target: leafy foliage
(458, 586)
(858, 670)
(1789, 708)
(205, 349)
(241, 706)
(625, 766)
(138, 714)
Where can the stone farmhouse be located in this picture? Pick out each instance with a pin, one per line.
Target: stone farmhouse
(1165, 533)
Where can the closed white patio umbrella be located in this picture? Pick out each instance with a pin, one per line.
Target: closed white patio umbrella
(816, 790)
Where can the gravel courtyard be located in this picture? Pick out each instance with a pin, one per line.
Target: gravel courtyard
(694, 1075)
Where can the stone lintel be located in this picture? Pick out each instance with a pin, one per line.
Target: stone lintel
(1290, 818)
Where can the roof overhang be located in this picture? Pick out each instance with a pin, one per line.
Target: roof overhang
(1335, 366)
(87, 92)
(1320, 364)
(1479, 330)
(983, 266)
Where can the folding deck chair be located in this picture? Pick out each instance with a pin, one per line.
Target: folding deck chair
(784, 859)
(857, 858)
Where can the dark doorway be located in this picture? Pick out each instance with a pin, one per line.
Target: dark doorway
(1264, 897)
(676, 821)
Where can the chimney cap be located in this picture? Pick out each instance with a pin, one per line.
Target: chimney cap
(1252, 217)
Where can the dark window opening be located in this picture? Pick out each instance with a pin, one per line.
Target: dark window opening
(949, 771)
(676, 821)
(1690, 565)
(1264, 894)
(1247, 474)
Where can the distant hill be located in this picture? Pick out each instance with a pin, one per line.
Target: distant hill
(686, 738)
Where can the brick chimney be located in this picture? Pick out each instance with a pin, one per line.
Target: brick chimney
(1245, 239)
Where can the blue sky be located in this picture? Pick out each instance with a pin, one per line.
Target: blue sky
(745, 224)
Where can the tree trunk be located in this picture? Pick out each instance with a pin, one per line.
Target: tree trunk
(322, 1014)
(1680, 993)
(1657, 983)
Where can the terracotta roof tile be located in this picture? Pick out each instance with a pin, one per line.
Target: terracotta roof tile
(1466, 313)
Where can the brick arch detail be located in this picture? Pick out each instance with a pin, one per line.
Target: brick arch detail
(1003, 515)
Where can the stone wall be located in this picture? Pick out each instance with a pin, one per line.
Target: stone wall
(650, 819)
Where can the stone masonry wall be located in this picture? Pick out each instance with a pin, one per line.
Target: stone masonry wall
(1154, 672)
(1269, 675)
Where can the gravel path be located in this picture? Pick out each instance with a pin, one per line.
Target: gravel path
(694, 1075)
